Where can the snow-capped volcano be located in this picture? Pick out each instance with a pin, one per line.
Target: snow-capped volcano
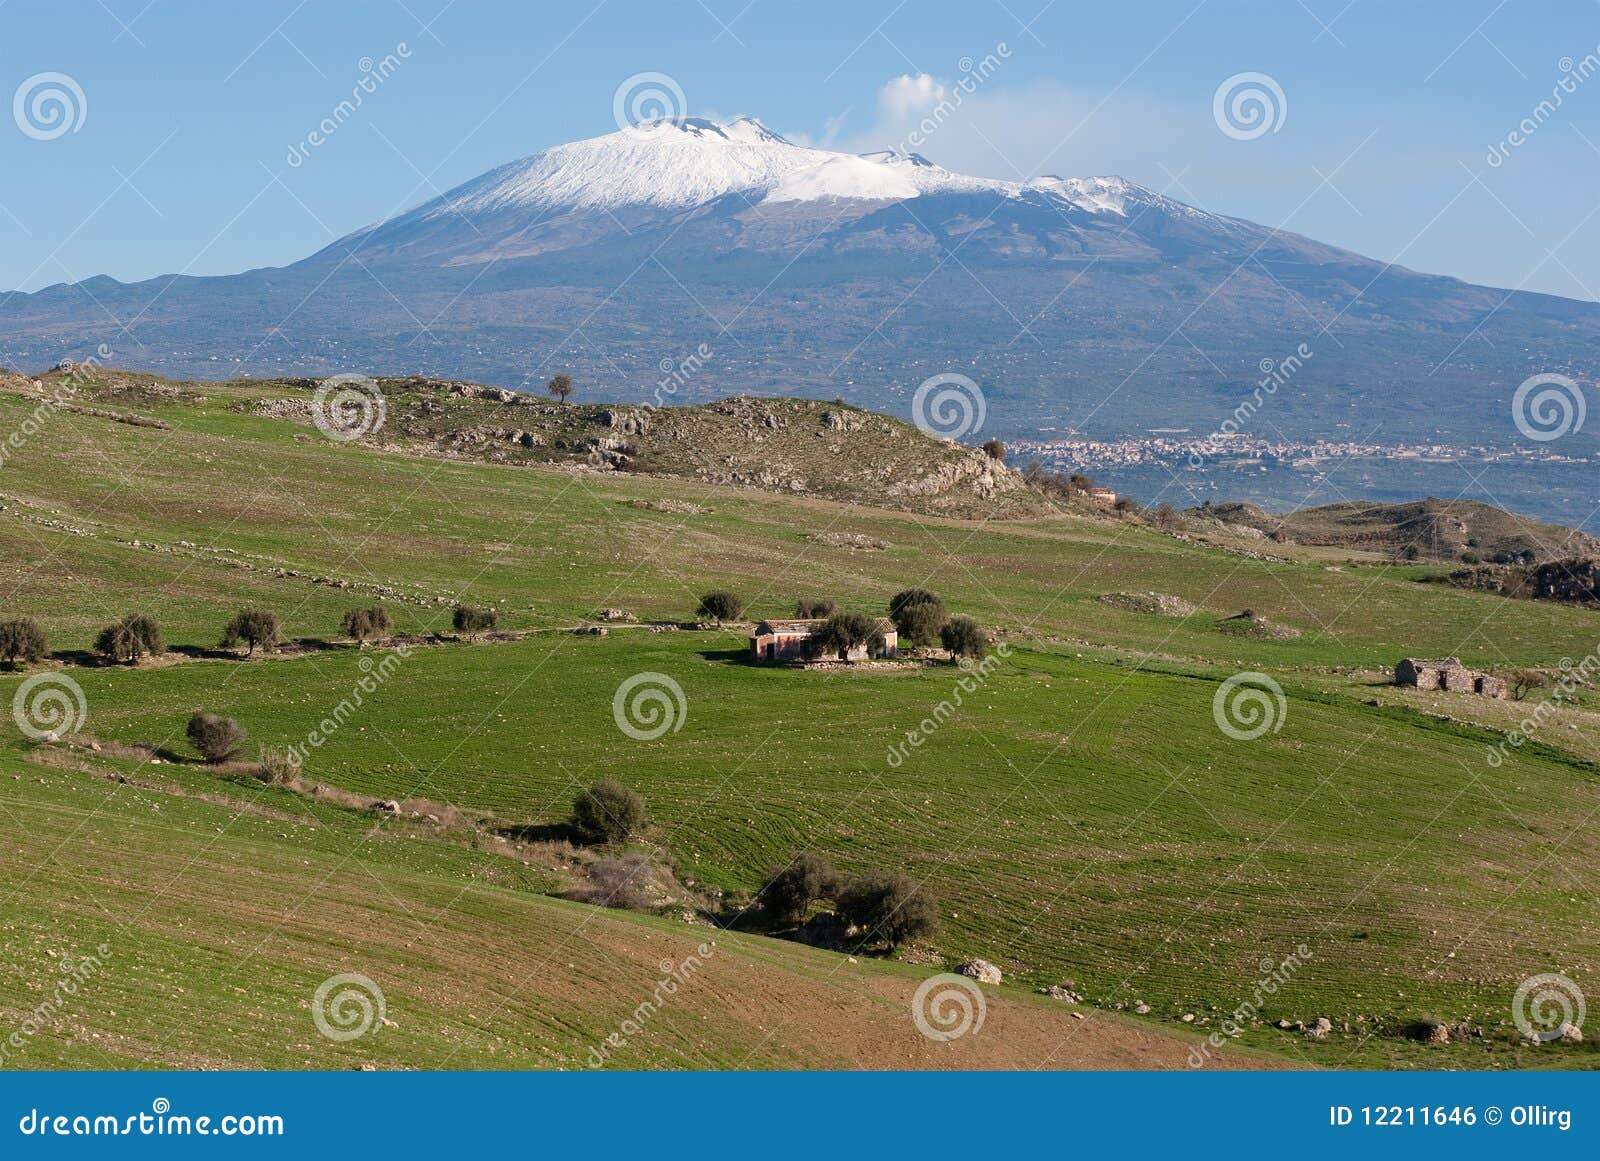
(749, 188)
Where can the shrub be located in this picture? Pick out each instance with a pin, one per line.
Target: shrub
(918, 615)
(607, 812)
(619, 882)
(808, 608)
(995, 450)
(254, 627)
(888, 906)
(471, 619)
(21, 640)
(964, 637)
(790, 891)
(842, 632)
(363, 625)
(218, 739)
(721, 606)
(129, 639)
(277, 768)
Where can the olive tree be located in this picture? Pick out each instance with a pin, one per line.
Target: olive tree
(255, 627)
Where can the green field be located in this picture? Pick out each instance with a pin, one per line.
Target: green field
(1081, 815)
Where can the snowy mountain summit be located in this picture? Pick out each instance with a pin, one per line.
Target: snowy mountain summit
(686, 162)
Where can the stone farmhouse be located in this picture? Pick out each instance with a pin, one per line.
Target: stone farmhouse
(774, 642)
(1447, 673)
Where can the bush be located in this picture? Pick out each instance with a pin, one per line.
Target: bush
(363, 625)
(918, 616)
(721, 606)
(607, 812)
(806, 609)
(471, 619)
(790, 891)
(843, 632)
(129, 639)
(995, 450)
(964, 637)
(218, 739)
(620, 882)
(21, 640)
(277, 768)
(888, 906)
(254, 627)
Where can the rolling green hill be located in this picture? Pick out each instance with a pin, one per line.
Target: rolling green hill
(1080, 814)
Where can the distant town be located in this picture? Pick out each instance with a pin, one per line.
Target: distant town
(1179, 448)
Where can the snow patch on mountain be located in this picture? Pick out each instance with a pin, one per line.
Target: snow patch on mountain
(687, 162)
(881, 176)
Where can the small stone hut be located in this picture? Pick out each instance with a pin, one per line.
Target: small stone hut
(1447, 673)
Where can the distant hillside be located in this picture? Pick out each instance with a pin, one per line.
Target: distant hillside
(1454, 530)
(798, 447)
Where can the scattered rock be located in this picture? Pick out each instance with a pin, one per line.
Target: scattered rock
(1570, 1034)
(854, 541)
(1320, 1029)
(1142, 1008)
(981, 970)
(677, 507)
(1248, 624)
(386, 806)
(1061, 992)
(1160, 604)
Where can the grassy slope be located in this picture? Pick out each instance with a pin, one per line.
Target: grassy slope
(220, 923)
(1080, 816)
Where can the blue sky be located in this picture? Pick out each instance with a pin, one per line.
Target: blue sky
(179, 161)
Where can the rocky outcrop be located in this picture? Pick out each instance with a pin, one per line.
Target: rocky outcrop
(1576, 580)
